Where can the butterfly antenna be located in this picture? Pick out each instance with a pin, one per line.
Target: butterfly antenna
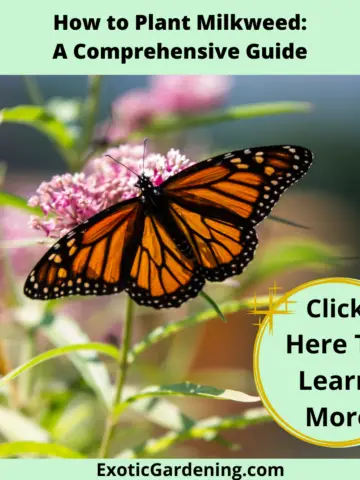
(144, 154)
(122, 164)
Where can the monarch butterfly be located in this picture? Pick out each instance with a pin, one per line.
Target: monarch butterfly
(163, 245)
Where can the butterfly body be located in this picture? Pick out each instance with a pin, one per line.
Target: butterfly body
(163, 245)
(156, 205)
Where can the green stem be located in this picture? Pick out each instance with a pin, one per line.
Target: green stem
(71, 159)
(171, 124)
(12, 301)
(240, 112)
(35, 97)
(33, 90)
(214, 305)
(5, 368)
(26, 382)
(121, 378)
(89, 113)
(8, 273)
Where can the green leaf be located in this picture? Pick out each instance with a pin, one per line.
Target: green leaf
(62, 331)
(79, 423)
(9, 200)
(158, 411)
(206, 429)
(214, 305)
(239, 378)
(186, 389)
(165, 331)
(289, 255)
(175, 123)
(18, 449)
(163, 413)
(42, 120)
(102, 348)
(15, 427)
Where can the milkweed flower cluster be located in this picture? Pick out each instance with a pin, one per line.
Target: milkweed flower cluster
(166, 95)
(70, 199)
(190, 93)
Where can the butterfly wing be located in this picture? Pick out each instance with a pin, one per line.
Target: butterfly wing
(92, 259)
(161, 275)
(208, 233)
(120, 248)
(245, 183)
(222, 248)
(217, 202)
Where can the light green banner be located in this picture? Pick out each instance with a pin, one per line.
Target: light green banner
(322, 36)
(211, 468)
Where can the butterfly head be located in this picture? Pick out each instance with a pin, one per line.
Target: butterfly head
(144, 183)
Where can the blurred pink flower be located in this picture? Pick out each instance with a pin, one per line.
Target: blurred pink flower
(71, 199)
(129, 113)
(13, 227)
(190, 93)
(18, 249)
(135, 106)
(18, 240)
(166, 95)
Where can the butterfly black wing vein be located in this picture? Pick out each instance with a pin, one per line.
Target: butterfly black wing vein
(247, 183)
(162, 246)
(92, 259)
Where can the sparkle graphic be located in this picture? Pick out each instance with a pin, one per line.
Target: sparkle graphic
(283, 309)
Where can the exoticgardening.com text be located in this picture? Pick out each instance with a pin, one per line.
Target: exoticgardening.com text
(157, 469)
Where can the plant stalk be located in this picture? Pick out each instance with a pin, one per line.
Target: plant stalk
(33, 90)
(121, 378)
(90, 110)
(26, 381)
(174, 124)
(5, 368)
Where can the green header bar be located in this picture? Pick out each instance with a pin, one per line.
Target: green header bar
(187, 37)
(190, 469)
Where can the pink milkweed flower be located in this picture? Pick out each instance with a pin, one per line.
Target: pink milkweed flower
(130, 112)
(180, 94)
(70, 199)
(166, 95)
(134, 107)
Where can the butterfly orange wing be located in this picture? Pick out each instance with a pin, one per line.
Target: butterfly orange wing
(217, 202)
(208, 232)
(245, 183)
(91, 259)
(161, 275)
(221, 248)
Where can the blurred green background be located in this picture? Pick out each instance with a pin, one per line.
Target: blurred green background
(331, 130)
